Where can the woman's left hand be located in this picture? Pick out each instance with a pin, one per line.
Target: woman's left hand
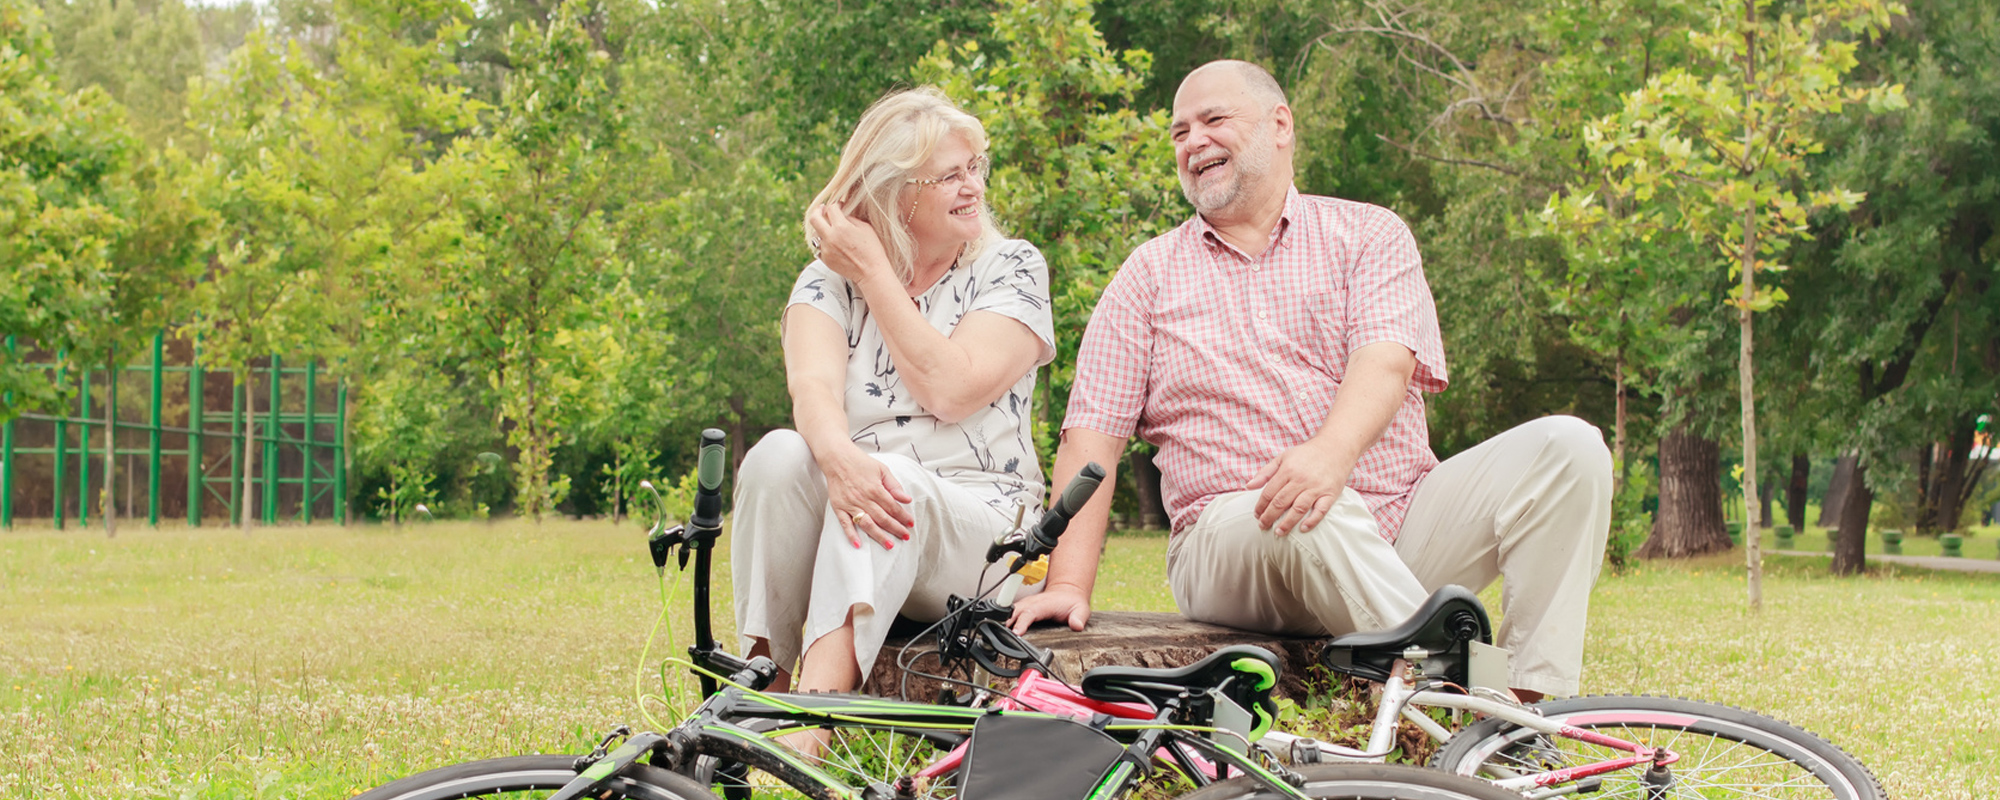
(848, 245)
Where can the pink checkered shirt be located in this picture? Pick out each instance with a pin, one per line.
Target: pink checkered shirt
(1224, 361)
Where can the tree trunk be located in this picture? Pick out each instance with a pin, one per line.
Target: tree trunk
(738, 429)
(1746, 363)
(249, 453)
(1945, 495)
(537, 470)
(1146, 483)
(110, 502)
(1765, 519)
(1831, 505)
(1690, 519)
(617, 482)
(1849, 556)
(1795, 492)
(1618, 428)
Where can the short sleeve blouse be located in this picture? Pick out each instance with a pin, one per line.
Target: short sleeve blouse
(991, 452)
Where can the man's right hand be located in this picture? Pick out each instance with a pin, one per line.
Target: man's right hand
(1068, 604)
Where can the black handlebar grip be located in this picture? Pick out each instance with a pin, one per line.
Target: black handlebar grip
(708, 481)
(1072, 500)
(1079, 490)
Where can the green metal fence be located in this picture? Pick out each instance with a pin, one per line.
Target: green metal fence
(292, 448)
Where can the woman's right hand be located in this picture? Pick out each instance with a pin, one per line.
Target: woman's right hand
(864, 495)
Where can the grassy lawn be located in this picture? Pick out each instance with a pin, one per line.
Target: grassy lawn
(308, 663)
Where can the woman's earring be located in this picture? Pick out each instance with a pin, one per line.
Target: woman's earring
(913, 209)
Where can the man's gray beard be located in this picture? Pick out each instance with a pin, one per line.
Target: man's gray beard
(1252, 163)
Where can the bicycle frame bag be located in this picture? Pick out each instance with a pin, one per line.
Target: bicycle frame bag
(1034, 757)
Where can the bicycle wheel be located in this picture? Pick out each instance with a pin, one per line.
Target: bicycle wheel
(1363, 782)
(1724, 752)
(525, 777)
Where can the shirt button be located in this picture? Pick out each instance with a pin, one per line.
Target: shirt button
(1261, 315)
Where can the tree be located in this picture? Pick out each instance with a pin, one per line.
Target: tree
(1721, 153)
(62, 157)
(1900, 296)
(329, 178)
(98, 234)
(544, 252)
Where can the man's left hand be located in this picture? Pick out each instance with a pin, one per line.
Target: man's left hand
(1300, 486)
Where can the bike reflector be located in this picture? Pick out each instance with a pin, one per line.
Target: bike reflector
(1034, 757)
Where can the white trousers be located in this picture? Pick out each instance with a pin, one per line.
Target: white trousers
(1532, 504)
(797, 576)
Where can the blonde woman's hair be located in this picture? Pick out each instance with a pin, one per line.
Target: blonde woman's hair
(897, 136)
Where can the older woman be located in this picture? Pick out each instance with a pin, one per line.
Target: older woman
(910, 353)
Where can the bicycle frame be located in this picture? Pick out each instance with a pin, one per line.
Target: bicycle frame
(713, 730)
(1402, 698)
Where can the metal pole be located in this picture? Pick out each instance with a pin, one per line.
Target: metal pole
(61, 428)
(194, 441)
(7, 458)
(153, 442)
(83, 454)
(271, 447)
(340, 454)
(306, 446)
(239, 393)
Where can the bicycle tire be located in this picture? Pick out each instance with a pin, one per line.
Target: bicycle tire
(1725, 751)
(534, 776)
(1362, 782)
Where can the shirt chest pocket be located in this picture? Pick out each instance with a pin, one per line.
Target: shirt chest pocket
(1322, 332)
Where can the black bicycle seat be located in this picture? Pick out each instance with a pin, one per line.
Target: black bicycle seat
(1129, 684)
(1450, 618)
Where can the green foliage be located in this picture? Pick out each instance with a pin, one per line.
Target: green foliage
(562, 234)
(95, 233)
(541, 246)
(143, 55)
(319, 177)
(1897, 304)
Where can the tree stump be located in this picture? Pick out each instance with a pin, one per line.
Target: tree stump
(1120, 638)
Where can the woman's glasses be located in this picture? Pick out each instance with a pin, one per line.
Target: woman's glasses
(972, 171)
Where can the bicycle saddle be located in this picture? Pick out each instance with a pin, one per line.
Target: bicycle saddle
(1254, 668)
(1450, 618)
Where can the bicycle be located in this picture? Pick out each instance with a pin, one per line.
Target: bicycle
(1199, 721)
(1617, 746)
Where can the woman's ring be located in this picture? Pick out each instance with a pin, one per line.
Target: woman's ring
(859, 516)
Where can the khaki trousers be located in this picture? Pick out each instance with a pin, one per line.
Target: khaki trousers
(1532, 505)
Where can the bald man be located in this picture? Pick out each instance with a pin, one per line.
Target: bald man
(1277, 348)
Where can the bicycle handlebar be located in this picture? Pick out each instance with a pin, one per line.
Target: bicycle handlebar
(1041, 539)
(707, 514)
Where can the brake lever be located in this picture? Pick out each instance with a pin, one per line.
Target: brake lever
(987, 661)
(1004, 641)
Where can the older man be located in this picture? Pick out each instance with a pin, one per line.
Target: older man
(1276, 348)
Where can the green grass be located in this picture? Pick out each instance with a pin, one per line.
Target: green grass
(300, 663)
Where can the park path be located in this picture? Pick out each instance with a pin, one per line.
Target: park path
(1926, 562)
